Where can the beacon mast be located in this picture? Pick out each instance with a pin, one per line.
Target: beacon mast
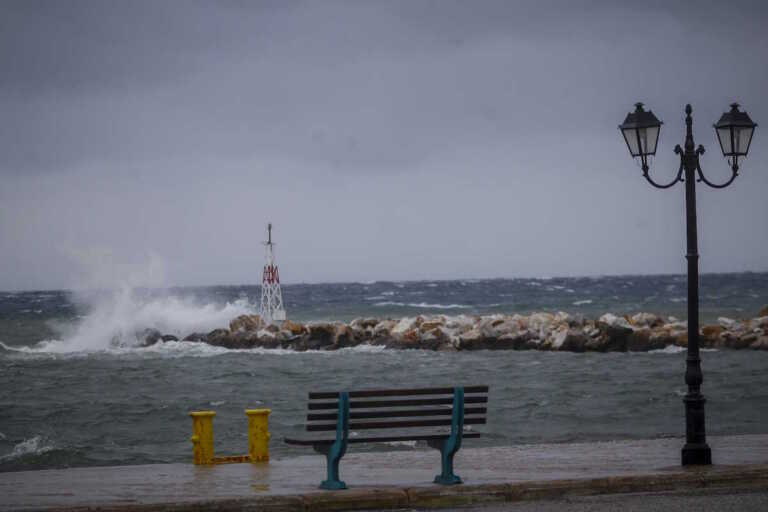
(271, 297)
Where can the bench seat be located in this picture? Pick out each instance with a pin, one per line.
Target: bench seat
(384, 439)
(440, 414)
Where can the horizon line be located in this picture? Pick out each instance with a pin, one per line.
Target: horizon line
(371, 282)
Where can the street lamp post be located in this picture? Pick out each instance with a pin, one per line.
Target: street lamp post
(734, 131)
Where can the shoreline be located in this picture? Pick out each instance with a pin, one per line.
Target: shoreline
(641, 332)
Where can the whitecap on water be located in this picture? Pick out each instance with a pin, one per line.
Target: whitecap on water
(669, 349)
(422, 305)
(674, 349)
(33, 446)
(179, 349)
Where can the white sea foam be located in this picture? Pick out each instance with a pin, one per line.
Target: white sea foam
(669, 349)
(117, 319)
(582, 302)
(32, 446)
(422, 305)
(674, 349)
(179, 349)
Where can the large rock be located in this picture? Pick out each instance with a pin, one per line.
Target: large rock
(246, 323)
(411, 338)
(364, 323)
(508, 326)
(538, 321)
(268, 339)
(760, 322)
(643, 340)
(404, 325)
(321, 334)
(523, 340)
(645, 320)
(661, 339)
(763, 312)
(615, 321)
(242, 339)
(727, 323)
(384, 329)
(219, 338)
(149, 337)
(472, 340)
(570, 340)
(712, 331)
(294, 328)
(429, 325)
(613, 337)
(344, 336)
(437, 339)
(743, 340)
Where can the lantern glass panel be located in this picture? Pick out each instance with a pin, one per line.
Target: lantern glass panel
(741, 139)
(630, 136)
(724, 134)
(650, 139)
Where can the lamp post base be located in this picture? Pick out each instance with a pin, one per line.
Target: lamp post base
(696, 454)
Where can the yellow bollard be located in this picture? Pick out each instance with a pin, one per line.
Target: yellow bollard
(202, 438)
(258, 434)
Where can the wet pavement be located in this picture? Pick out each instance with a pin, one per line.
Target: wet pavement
(389, 476)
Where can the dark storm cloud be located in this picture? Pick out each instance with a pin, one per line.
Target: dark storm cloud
(498, 108)
(353, 84)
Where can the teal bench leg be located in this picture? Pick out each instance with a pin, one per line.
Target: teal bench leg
(334, 452)
(450, 446)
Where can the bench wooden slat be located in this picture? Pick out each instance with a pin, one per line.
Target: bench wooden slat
(397, 403)
(357, 415)
(381, 439)
(368, 393)
(318, 427)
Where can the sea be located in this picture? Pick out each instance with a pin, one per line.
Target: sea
(76, 390)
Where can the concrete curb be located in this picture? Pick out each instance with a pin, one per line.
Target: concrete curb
(733, 477)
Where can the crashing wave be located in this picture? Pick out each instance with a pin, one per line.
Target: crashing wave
(36, 445)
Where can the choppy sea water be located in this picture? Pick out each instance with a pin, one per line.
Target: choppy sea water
(74, 391)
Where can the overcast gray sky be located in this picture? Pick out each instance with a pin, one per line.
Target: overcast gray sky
(384, 140)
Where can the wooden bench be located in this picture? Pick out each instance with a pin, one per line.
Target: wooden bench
(431, 410)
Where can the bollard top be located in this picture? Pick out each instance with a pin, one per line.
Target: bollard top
(202, 414)
(254, 412)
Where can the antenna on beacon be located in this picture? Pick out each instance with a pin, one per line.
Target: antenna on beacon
(271, 296)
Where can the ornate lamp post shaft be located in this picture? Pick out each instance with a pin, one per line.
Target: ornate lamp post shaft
(734, 131)
(696, 450)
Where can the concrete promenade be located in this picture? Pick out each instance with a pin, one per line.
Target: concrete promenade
(403, 479)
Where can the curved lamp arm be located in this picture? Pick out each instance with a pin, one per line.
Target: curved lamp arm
(678, 178)
(734, 173)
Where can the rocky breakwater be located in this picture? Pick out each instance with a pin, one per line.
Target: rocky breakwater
(538, 331)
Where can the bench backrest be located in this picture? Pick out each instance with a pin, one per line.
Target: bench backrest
(397, 408)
